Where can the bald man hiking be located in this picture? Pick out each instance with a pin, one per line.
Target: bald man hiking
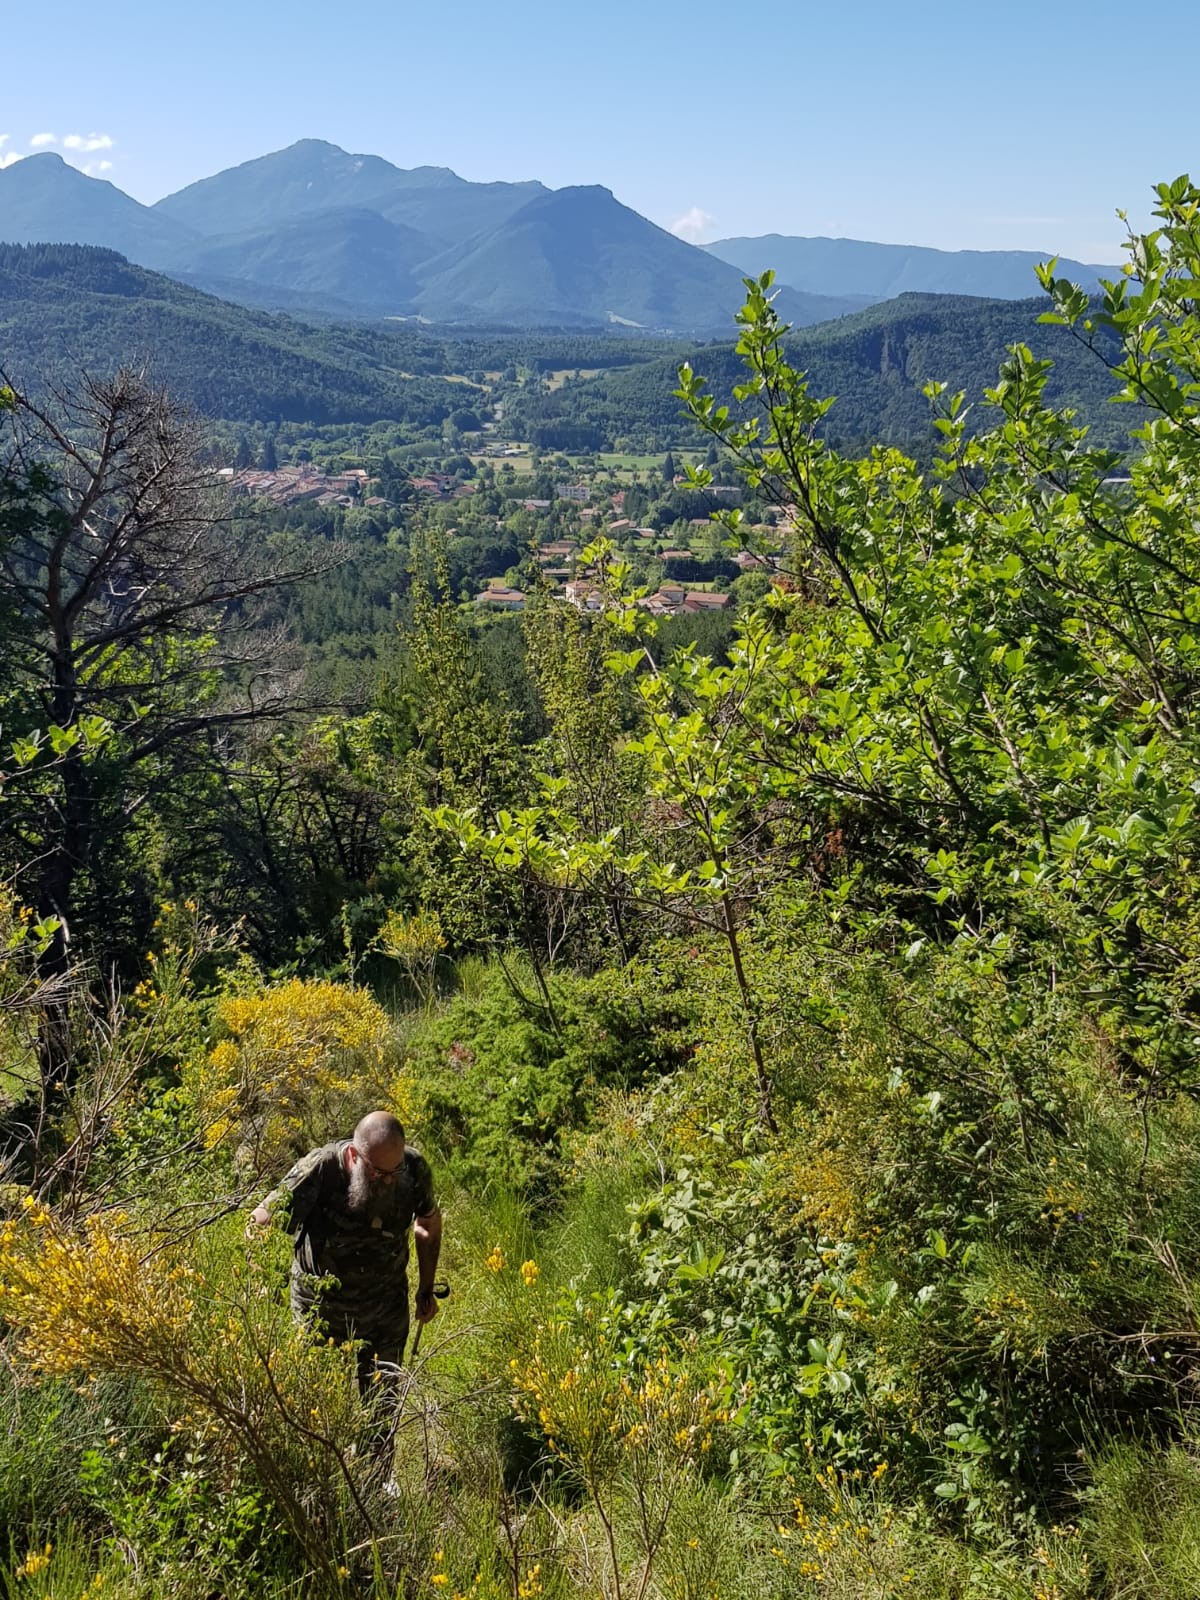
(350, 1206)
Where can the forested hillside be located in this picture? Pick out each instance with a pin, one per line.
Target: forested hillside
(875, 363)
(63, 308)
(801, 1025)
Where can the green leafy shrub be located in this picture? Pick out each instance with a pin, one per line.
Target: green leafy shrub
(502, 1083)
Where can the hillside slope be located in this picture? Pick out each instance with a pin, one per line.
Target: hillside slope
(45, 200)
(354, 260)
(875, 362)
(66, 307)
(579, 255)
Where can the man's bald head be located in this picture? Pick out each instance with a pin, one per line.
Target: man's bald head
(378, 1131)
(374, 1157)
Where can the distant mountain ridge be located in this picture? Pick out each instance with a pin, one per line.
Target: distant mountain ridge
(45, 200)
(312, 177)
(579, 255)
(427, 243)
(883, 271)
(320, 231)
(351, 261)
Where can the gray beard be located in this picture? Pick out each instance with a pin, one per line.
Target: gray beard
(358, 1195)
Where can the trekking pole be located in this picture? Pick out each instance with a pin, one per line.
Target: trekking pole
(441, 1291)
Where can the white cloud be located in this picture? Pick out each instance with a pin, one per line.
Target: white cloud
(692, 224)
(88, 141)
(41, 140)
(4, 138)
(10, 159)
(92, 167)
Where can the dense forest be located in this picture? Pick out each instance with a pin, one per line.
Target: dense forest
(800, 1018)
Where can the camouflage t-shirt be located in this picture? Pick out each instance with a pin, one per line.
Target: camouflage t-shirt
(366, 1252)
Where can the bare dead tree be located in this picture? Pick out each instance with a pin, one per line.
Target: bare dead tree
(131, 597)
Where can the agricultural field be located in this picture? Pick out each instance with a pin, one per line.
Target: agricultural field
(556, 379)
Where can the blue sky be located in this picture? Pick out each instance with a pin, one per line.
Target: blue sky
(968, 125)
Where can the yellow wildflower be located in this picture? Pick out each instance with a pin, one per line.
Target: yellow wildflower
(295, 1053)
(34, 1562)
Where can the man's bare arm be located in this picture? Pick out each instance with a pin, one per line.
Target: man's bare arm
(427, 1231)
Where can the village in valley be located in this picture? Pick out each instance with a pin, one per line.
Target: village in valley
(522, 519)
(294, 484)
(580, 585)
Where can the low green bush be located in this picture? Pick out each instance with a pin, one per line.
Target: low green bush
(504, 1080)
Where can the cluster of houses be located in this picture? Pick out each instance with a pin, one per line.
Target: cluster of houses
(575, 584)
(442, 486)
(580, 587)
(671, 599)
(289, 485)
(586, 594)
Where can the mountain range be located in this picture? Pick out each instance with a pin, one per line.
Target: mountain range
(315, 230)
(883, 271)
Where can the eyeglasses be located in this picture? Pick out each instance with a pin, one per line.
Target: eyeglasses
(384, 1174)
